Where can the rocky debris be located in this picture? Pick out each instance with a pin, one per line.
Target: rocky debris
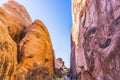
(62, 72)
(59, 67)
(95, 40)
(35, 49)
(59, 63)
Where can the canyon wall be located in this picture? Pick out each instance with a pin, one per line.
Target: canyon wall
(95, 40)
(25, 46)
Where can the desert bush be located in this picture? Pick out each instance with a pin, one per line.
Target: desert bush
(40, 73)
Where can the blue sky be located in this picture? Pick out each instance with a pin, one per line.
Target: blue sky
(56, 15)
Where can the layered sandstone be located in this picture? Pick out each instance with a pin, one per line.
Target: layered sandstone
(8, 55)
(15, 18)
(95, 40)
(25, 47)
(35, 49)
(11, 28)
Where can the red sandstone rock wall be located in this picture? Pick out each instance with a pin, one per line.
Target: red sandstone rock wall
(95, 40)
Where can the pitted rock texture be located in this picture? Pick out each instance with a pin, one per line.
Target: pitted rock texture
(36, 49)
(8, 55)
(95, 40)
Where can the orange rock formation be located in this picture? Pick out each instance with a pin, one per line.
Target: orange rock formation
(24, 45)
(36, 49)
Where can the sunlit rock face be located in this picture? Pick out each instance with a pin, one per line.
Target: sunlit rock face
(11, 28)
(16, 19)
(95, 39)
(25, 46)
(8, 55)
(35, 49)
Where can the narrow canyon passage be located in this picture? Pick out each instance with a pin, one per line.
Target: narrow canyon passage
(60, 40)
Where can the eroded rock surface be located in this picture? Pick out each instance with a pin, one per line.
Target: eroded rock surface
(59, 63)
(26, 51)
(8, 55)
(95, 41)
(36, 49)
(15, 17)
